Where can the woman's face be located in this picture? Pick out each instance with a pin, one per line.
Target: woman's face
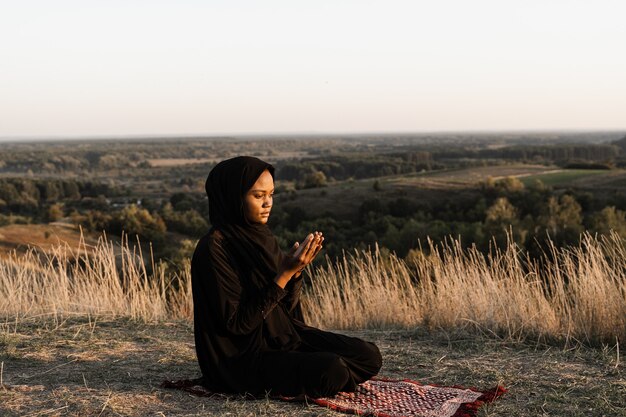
(257, 202)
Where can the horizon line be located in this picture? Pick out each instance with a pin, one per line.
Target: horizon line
(232, 135)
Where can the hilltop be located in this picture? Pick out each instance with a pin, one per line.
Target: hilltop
(106, 367)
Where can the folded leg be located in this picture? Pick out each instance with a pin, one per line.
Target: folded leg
(294, 373)
(363, 358)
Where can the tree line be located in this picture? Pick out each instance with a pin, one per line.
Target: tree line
(500, 211)
(317, 172)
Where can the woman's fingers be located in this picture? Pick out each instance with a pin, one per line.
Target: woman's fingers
(313, 250)
(293, 249)
(306, 252)
(309, 245)
(317, 249)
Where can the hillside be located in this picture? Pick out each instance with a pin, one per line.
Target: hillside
(45, 237)
(90, 343)
(103, 367)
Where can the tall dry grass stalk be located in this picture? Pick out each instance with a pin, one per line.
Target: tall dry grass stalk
(104, 280)
(578, 293)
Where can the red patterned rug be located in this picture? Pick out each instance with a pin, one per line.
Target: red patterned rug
(382, 397)
(399, 398)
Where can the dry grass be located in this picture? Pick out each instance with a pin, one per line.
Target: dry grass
(100, 281)
(114, 367)
(93, 332)
(579, 295)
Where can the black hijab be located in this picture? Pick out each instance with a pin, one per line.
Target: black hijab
(226, 186)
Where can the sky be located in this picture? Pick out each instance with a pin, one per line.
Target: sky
(139, 68)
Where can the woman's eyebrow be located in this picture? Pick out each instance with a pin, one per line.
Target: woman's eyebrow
(262, 191)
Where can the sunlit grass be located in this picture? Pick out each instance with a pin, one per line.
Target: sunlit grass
(578, 295)
(100, 280)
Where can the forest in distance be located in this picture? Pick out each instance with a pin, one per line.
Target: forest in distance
(394, 191)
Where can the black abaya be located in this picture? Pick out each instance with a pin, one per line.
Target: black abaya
(249, 332)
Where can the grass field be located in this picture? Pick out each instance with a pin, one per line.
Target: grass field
(92, 332)
(173, 162)
(562, 177)
(578, 295)
(104, 367)
(75, 342)
(345, 197)
(470, 176)
(275, 155)
(45, 237)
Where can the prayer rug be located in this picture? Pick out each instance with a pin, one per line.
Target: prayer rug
(381, 397)
(402, 398)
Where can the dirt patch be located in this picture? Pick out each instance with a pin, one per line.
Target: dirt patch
(43, 236)
(112, 368)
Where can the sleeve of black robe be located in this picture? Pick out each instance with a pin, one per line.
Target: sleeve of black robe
(240, 312)
(292, 299)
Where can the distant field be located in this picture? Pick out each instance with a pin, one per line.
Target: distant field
(172, 162)
(562, 177)
(614, 180)
(45, 236)
(456, 178)
(345, 197)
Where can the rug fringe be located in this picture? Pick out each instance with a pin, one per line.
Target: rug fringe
(470, 409)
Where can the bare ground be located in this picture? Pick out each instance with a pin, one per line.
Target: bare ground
(82, 367)
(45, 237)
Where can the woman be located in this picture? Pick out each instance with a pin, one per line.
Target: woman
(249, 332)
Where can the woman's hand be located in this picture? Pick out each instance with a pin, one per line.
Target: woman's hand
(293, 264)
